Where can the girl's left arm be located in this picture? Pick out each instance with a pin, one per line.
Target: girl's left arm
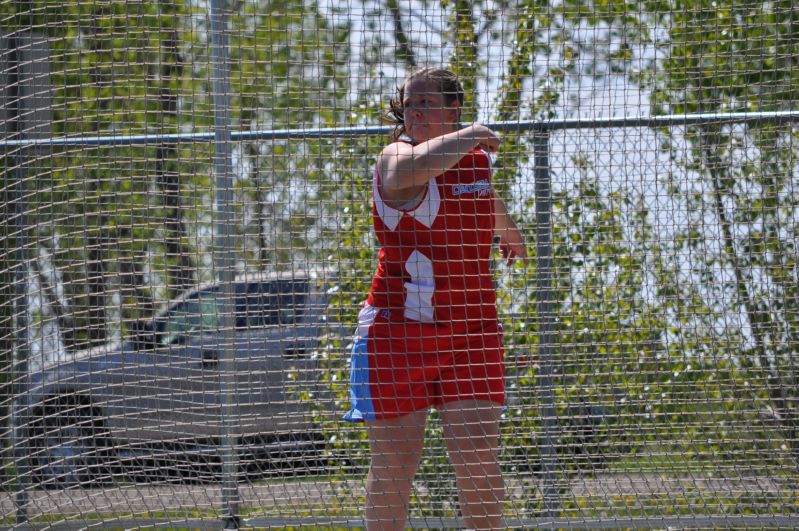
(511, 242)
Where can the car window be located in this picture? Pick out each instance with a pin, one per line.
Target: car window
(271, 303)
(258, 304)
(194, 316)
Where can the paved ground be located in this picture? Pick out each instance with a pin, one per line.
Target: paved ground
(138, 499)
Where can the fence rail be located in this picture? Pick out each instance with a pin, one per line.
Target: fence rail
(553, 124)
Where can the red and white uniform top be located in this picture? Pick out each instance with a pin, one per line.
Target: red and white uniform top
(434, 260)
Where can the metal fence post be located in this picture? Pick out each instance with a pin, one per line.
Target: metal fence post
(223, 262)
(25, 116)
(12, 104)
(545, 307)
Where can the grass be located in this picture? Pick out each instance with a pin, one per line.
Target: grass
(661, 480)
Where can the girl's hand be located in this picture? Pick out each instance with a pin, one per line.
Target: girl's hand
(511, 242)
(511, 246)
(485, 138)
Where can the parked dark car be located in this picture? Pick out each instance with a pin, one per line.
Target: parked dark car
(153, 403)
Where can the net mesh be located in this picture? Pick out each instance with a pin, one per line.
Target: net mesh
(182, 269)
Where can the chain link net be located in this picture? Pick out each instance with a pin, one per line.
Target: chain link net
(176, 319)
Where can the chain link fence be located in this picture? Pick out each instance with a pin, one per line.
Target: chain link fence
(187, 240)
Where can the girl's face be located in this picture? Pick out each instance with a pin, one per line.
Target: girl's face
(426, 112)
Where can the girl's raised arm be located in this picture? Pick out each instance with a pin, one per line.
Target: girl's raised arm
(404, 166)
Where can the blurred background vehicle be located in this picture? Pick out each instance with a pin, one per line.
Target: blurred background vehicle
(151, 406)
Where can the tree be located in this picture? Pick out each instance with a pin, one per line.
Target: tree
(168, 70)
(85, 212)
(743, 59)
(288, 72)
(129, 227)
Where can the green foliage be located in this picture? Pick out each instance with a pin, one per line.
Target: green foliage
(143, 68)
(729, 56)
(106, 58)
(737, 56)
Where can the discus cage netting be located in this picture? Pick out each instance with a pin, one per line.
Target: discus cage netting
(186, 240)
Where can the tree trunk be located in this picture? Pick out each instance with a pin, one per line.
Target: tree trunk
(759, 319)
(404, 51)
(180, 263)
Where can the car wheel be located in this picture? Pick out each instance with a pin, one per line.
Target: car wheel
(68, 446)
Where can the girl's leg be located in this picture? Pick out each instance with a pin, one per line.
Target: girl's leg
(396, 446)
(471, 432)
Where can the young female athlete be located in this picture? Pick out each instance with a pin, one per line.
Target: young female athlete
(428, 333)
